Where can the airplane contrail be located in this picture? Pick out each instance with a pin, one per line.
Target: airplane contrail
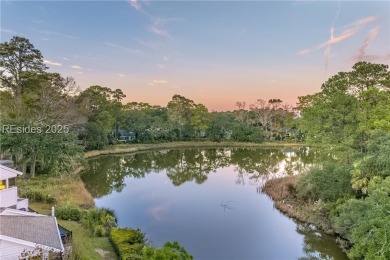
(328, 50)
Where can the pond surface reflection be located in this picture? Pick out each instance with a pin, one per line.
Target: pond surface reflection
(209, 201)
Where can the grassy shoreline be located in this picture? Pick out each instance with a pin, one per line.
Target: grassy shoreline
(133, 148)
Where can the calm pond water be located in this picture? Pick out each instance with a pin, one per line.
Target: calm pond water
(209, 200)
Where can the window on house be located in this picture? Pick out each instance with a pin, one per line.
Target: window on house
(11, 182)
(2, 184)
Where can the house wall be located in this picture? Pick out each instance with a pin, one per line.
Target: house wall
(22, 204)
(8, 197)
(12, 251)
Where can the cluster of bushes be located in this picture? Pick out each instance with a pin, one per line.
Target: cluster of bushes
(37, 190)
(127, 242)
(365, 222)
(68, 211)
(326, 182)
(38, 195)
(131, 244)
(357, 198)
(247, 133)
(98, 221)
(170, 251)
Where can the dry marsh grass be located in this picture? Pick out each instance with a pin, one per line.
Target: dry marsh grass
(282, 192)
(54, 190)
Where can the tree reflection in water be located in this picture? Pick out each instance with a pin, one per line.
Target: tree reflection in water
(317, 246)
(107, 173)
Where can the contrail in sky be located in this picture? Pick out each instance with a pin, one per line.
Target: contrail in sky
(328, 50)
(362, 50)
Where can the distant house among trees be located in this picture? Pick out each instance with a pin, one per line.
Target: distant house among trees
(124, 135)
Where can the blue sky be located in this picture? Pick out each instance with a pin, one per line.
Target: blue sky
(214, 52)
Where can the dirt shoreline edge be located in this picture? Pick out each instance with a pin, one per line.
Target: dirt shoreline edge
(283, 194)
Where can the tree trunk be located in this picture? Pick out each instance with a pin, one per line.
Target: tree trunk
(32, 167)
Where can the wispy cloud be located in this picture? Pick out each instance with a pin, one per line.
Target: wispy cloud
(362, 50)
(158, 212)
(64, 58)
(128, 50)
(55, 34)
(364, 21)
(348, 32)
(135, 4)
(52, 63)
(157, 82)
(138, 6)
(328, 50)
(8, 31)
(158, 24)
(76, 67)
(154, 29)
(121, 75)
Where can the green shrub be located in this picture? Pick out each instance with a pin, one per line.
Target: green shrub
(99, 221)
(247, 133)
(127, 242)
(38, 195)
(99, 231)
(93, 137)
(170, 251)
(366, 223)
(131, 252)
(68, 212)
(327, 182)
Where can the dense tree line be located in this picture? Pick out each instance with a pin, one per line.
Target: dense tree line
(350, 119)
(47, 121)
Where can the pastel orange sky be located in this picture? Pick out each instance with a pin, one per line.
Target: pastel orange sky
(215, 53)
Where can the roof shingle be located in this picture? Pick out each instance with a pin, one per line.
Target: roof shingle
(41, 230)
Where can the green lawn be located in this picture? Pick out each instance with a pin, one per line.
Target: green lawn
(86, 246)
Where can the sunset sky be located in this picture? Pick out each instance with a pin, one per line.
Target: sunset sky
(213, 52)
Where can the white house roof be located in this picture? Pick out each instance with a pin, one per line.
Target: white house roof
(7, 173)
(42, 230)
(13, 212)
